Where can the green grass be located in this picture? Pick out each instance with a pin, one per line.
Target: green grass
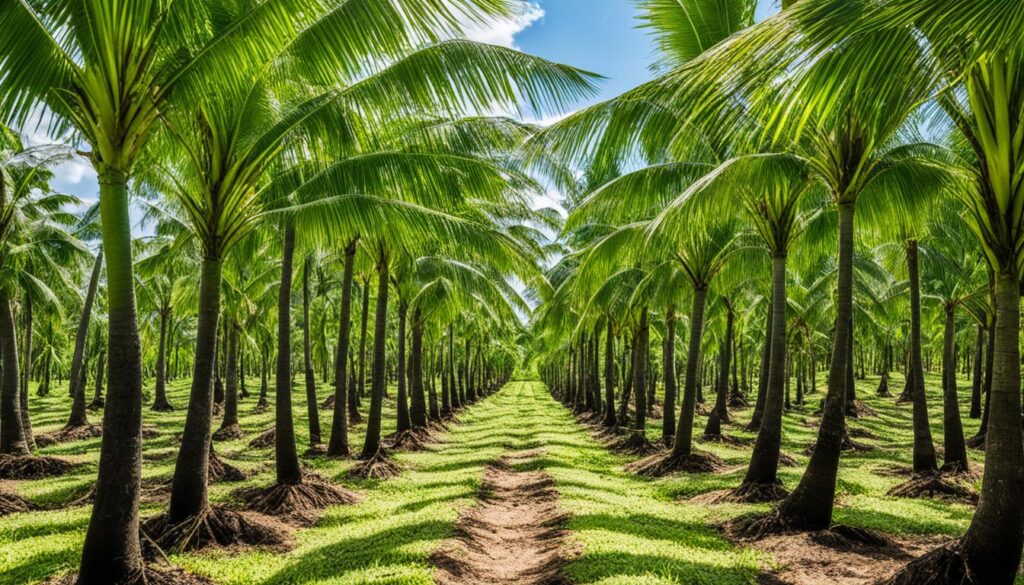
(627, 529)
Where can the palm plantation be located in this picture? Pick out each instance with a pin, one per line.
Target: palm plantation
(341, 310)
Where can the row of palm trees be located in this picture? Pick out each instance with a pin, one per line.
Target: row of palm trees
(286, 127)
(755, 146)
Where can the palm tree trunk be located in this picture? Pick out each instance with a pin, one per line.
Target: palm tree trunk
(160, 402)
(418, 406)
(451, 367)
(765, 371)
(955, 456)
(924, 449)
(809, 507)
(26, 373)
(111, 553)
(764, 462)
(640, 374)
(360, 389)
(992, 546)
(78, 416)
(286, 456)
(338, 446)
(609, 377)
(231, 388)
(977, 377)
(312, 404)
(97, 395)
(683, 445)
(371, 447)
(12, 432)
(191, 471)
(404, 423)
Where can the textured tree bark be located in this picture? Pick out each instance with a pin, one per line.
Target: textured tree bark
(338, 445)
(373, 425)
(286, 456)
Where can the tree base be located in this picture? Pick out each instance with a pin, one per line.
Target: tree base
(150, 575)
(261, 406)
(315, 450)
(216, 527)
(635, 443)
(411, 440)
(96, 404)
(757, 493)
(162, 407)
(328, 403)
(858, 433)
(13, 504)
(380, 466)
(942, 566)
(301, 502)
(662, 465)
(221, 471)
(228, 433)
(857, 409)
(32, 467)
(727, 440)
(787, 460)
(263, 440)
(935, 486)
(848, 444)
(69, 434)
(757, 526)
(977, 442)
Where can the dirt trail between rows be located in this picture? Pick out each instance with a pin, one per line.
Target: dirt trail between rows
(514, 535)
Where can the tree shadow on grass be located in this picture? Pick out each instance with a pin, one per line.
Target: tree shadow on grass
(620, 566)
(382, 548)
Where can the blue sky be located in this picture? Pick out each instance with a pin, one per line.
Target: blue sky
(597, 35)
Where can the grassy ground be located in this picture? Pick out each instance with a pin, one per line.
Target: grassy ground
(627, 530)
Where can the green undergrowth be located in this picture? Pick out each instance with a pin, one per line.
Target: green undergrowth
(624, 529)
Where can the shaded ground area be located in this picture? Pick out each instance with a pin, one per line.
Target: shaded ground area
(515, 535)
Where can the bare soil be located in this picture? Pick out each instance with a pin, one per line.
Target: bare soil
(515, 535)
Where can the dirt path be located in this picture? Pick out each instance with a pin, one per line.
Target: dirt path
(514, 535)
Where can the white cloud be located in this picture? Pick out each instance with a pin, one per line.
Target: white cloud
(504, 32)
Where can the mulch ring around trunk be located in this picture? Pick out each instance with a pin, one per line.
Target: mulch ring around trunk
(301, 502)
(937, 485)
(228, 433)
(414, 439)
(263, 440)
(727, 440)
(635, 443)
(220, 527)
(514, 535)
(662, 464)
(11, 503)
(848, 444)
(379, 467)
(33, 467)
(155, 574)
(842, 555)
(69, 434)
(221, 471)
(154, 490)
(746, 493)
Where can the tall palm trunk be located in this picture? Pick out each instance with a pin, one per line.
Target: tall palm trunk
(360, 389)
(451, 367)
(312, 404)
(992, 545)
(404, 423)
(371, 447)
(230, 420)
(765, 370)
(26, 373)
(683, 445)
(97, 395)
(12, 432)
(609, 377)
(111, 553)
(668, 421)
(955, 456)
(924, 449)
(418, 406)
(78, 416)
(978, 375)
(810, 505)
(160, 402)
(764, 462)
(338, 446)
(640, 375)
(286, 456)
(191, 471)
